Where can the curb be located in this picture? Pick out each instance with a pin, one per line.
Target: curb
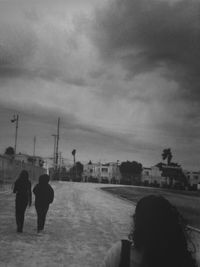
(197, 230)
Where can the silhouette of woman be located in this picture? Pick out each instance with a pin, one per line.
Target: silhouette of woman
(159, 238)
(44, 195)
(22, 188)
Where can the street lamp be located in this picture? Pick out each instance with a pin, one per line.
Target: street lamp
(16, 120)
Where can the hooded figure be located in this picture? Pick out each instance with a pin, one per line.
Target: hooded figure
(22, 188)
(44, 196)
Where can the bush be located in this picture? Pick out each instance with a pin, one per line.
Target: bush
(104, 180)
(178, 186)
(113, 181)
(76, 179)
(125, 182)
(65, 178)
(93, 179)
(146, 183)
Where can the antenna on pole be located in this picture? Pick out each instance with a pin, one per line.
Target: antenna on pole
(57, 143)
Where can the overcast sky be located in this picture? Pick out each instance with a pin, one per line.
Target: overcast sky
(123, 76)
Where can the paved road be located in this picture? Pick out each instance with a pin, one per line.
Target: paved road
(82, 224)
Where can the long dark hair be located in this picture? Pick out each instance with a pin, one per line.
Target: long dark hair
(160, 234)
(23, 176)
(23, 179)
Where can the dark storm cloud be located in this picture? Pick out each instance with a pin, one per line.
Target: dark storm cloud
(18, 44)
(146, 35)
(28, 49)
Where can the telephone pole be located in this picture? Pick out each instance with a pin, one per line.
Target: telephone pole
(54, 149)
(34, 142)
(57, 143)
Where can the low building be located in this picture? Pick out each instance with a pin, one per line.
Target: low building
(10, 168)
(193, 178)
(99, 172)
(152, 176)
(25, 158)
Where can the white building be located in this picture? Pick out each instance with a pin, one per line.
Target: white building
(25, 158)
(193, 179)
(152, 175)
(108, 172)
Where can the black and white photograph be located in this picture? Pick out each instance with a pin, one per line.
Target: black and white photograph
(100, 133)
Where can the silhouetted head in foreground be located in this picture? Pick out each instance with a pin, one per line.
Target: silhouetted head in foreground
(44, 179)
(160, 234)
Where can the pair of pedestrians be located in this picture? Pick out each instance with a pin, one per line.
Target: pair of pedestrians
(44, 195)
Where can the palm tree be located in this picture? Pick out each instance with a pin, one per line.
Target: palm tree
(167, 154)
(74, 154)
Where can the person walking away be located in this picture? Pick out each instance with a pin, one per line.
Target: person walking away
(22, 189)
(159, 238)
(44, 195)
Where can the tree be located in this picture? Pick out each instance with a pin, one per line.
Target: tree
(174, 173)
(131, 172)
(167, 154)
(9, 151)
(74, 155)
(76, 171)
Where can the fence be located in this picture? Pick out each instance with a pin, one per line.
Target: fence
(11, 168)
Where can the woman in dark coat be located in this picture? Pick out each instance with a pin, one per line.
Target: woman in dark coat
(22, 188)
(44, 195)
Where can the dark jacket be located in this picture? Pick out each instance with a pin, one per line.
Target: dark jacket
(44, 193)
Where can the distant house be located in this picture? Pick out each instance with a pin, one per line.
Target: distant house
(99, 172)
(25, 158)
(193, 178)
(152, 176)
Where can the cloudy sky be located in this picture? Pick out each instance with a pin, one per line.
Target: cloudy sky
(123, 76)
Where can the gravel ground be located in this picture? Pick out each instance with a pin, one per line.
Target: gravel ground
(81, 225)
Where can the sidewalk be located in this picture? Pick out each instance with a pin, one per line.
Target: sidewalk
(81, 225)
(5, 188)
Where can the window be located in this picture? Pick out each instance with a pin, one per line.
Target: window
(104, 169)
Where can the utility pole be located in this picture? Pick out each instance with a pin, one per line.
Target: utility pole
(16, 120)
(60, 158)
(57, 143)
(54, 149)
(34, 142)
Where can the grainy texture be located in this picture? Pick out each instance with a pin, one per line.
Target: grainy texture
(82, 223)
